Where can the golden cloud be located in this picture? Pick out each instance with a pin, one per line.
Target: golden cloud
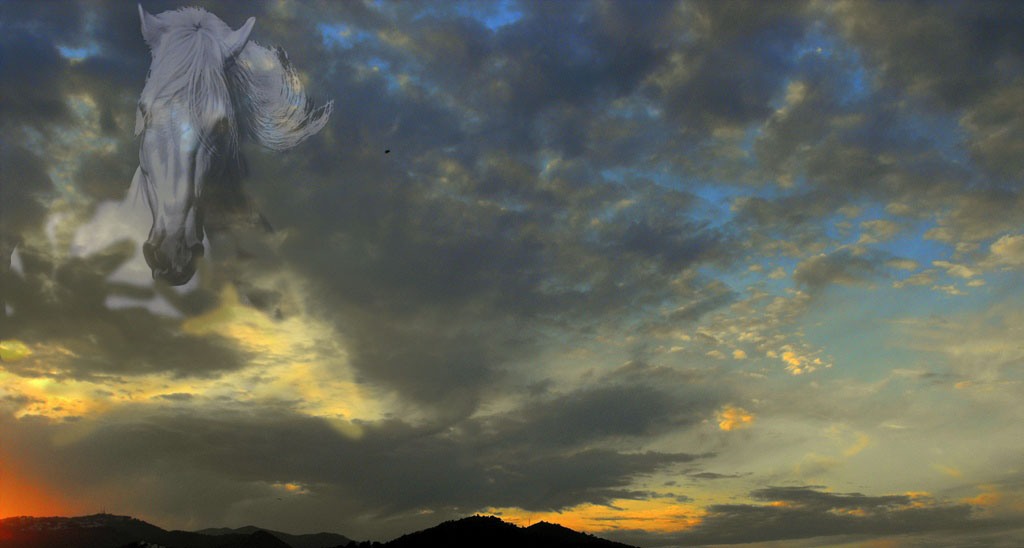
(734, 418)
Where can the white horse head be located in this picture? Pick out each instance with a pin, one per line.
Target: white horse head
(208, 86)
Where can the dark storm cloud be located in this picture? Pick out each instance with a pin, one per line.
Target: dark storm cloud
(789, 221)
(805, 512)
(712, 475)
(545, 453)
(390, 469)
(536, 81)
(837, 141)
(37, 77)
(965, 58)
(845, 130)
(979, 214)
(837, 138)
(710, 297)
(633, 402)
(31, 62)
(103, 174)
(432, 359)
(956, 54)
(811, 496)
(598, 414)
(24, 192)
(996, 125)
(30, 35)
(435, 257)
(849, 142)
(735, 66)
(433, 283)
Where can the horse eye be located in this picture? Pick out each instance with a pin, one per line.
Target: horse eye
(221, 125)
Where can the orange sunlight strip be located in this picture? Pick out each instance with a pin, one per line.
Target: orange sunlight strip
(664, 515)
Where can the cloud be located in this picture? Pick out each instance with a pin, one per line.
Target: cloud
(1007, 251)
(441, 269)
(435, 258)
(733, 67)
(902, 264)
(979, 345)
(804, 512)
(878, 230)
(392, 469)
(60, 303)
(925, 277)
(994, 123)
(711, 475)
(34, 63)
(974, 72)
(614, 411)
(956, 270)
(734, 418)
(844, 266)
(978, 215)
(977, 42)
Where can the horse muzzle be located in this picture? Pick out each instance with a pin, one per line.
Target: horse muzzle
(175, 267)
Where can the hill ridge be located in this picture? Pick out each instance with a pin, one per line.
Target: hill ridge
(114, 531)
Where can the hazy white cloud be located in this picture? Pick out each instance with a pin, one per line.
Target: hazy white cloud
(1008, 250)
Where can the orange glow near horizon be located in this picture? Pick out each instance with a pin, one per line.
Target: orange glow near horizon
(664, 515)
(20, 496)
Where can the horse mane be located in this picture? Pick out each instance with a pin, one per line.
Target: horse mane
(258, 91)
(275, 111)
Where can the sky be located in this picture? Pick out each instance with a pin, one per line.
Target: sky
(671, 273)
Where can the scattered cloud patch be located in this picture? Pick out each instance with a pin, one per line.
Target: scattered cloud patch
(734, 418)
(1008, 251)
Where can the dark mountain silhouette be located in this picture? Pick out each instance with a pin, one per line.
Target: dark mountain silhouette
(312, 540)
(257, 539)
(494, 533)
(58, 532)
(109, 531)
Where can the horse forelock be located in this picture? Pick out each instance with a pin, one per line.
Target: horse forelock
(190, 61)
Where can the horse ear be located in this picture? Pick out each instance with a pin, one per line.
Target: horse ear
(237, 39)
(151, 27)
